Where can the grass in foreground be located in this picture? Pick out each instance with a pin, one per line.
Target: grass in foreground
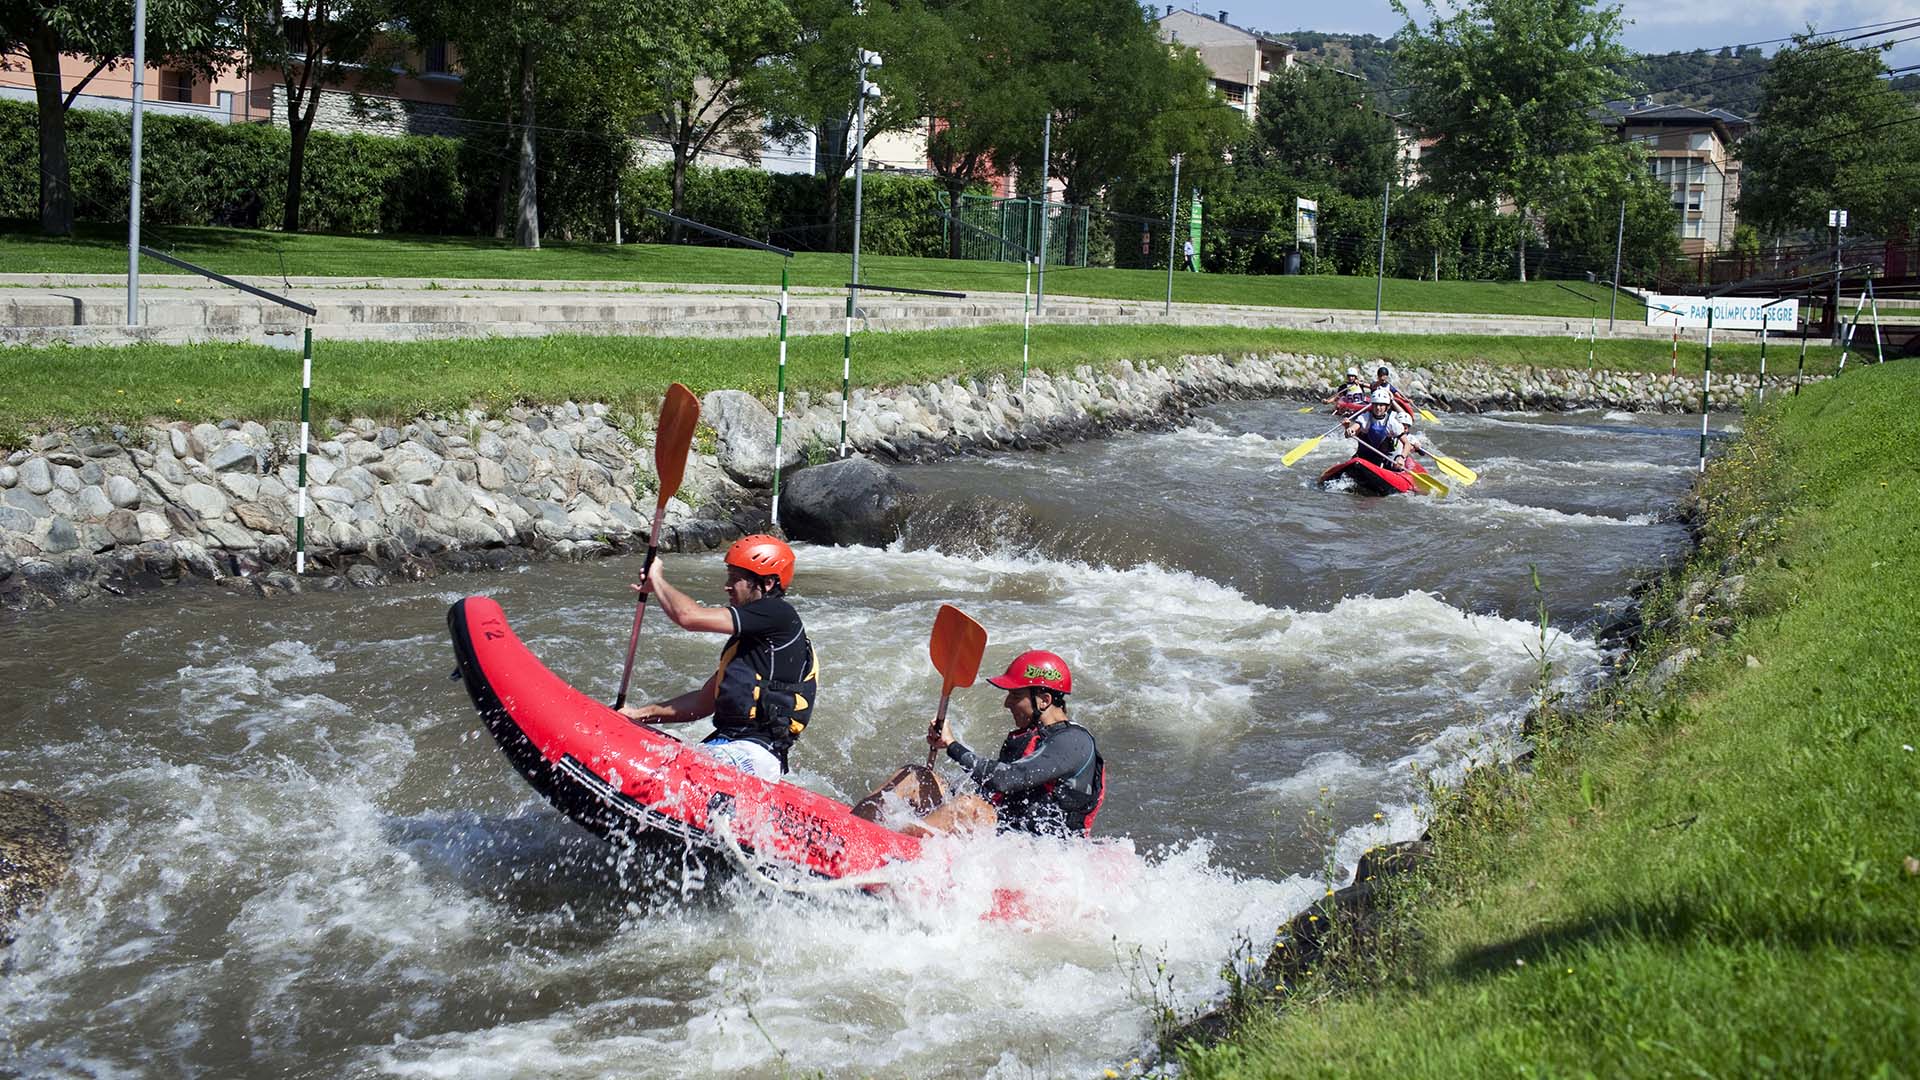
(102, 250)
(45, 387)
(1715, 883)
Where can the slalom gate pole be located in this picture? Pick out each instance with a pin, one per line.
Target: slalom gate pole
(1593, 333)
(846, 372)
(780, 394)
(300, 498)
(1846, 346)
(1706, 384)
(1674, 367)
(1026, 321)
(1763, 358)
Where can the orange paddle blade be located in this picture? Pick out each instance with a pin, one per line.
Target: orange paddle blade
(956, 646)
(679, 414)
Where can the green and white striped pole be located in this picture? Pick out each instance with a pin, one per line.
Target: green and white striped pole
(1847, 345)
(300, 499)
(1763, 355)
(1026, 321)
(846, 372)
(780, 394)
(1706, 385)
(1806, 329)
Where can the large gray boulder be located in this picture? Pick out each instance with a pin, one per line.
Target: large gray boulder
(745, 430)
(852, 501)
(35, 848)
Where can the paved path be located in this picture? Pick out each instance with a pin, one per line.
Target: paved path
(90, 309)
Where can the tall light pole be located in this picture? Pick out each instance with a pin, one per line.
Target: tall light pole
(867, 90)
(1046, 161)
(1380, 275)
(133, 213)
(1173, 229)
(1837, 221)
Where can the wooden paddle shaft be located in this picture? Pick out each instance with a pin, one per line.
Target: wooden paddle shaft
(640, 607)
(939, 721)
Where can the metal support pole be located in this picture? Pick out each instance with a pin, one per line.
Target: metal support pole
(846, 373)
(1593, 331)
(133, 210)
(1806, 331)
(1026, 321)
(1046, 164)
(1706, 386)
(300, 497)
(1173, 231)
(1619, 240)
(1879, 353)
(616, 215)
(1834, 304)
(859, 173)
(1380, 275)
(780, 395)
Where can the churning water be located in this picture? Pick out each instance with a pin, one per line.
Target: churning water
(301, 855)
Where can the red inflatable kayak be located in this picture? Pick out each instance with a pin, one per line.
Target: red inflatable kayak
(616, 777)
(1371, 478)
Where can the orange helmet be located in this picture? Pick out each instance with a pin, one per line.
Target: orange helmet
(1037, 668)
(763, 556)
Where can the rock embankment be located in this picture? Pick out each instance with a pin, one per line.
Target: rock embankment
(92, 511)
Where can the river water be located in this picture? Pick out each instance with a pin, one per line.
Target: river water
(302, 856)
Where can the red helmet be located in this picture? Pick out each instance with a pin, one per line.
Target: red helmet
(763, 556)
(1037, 668)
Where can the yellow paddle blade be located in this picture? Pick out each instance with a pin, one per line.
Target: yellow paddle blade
(1301, 451)
(1306, 408)
(1455, 469)
(1429, 417)
(1429, 485)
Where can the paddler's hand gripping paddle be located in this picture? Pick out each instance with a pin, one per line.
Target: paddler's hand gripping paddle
(679, 413)
(956, 646)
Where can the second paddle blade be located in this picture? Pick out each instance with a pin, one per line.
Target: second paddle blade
(956, 646)
(679, 414)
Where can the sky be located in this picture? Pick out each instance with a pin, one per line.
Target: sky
(1653, 25)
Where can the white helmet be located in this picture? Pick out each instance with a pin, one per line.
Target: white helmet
(1353, 371)
(1381, 397)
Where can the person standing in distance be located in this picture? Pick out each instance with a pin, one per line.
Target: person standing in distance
(762, 694)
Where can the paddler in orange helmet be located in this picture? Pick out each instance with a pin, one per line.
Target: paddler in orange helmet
(1049, 778)
(762, 695)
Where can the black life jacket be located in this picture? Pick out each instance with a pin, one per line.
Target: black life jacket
(1061, 807)
(766, 694)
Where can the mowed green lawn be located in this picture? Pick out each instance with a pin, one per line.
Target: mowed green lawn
(64, 385)
(102, 250)
(1724, 882)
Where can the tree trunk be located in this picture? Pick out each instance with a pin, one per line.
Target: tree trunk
(681, 159)
(955, 188)
(526, 226)
(56, 183)
(1520, 250)
(299, 126)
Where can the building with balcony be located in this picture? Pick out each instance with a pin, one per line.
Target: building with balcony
(1241, 60)
(1691, 152)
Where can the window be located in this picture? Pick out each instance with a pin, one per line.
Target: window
(176, 85)
(1694, 197)
(434, 60)
(1235, 93)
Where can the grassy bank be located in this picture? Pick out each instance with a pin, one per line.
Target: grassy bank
(100, 250)
(65, 385)
(216, 381)
(1715, 881)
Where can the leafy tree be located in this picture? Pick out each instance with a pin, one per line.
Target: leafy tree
(973, 79)
(195, 35)
(718, 80)
(1509, 88)
(314, 44)
(1122, 102)
(824, 73)
(1831, 132)
(1321, 125)
(604, 49)
(1582, 218)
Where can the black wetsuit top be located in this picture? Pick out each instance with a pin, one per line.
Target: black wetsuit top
(1055, 789)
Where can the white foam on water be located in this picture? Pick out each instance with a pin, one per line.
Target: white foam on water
(1540, 515)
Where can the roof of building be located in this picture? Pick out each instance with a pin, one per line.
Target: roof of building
(1268, 39)
(1646, 111)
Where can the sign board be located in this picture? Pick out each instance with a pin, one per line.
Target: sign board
(1306, 221)
(1729, 312)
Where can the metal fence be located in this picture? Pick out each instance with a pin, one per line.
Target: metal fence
(1016, 222)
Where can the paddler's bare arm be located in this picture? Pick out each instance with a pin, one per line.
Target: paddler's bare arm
(686, 612)
(686, 708)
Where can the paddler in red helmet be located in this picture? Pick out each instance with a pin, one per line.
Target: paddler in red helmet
(762, 695)
(1049, 778)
